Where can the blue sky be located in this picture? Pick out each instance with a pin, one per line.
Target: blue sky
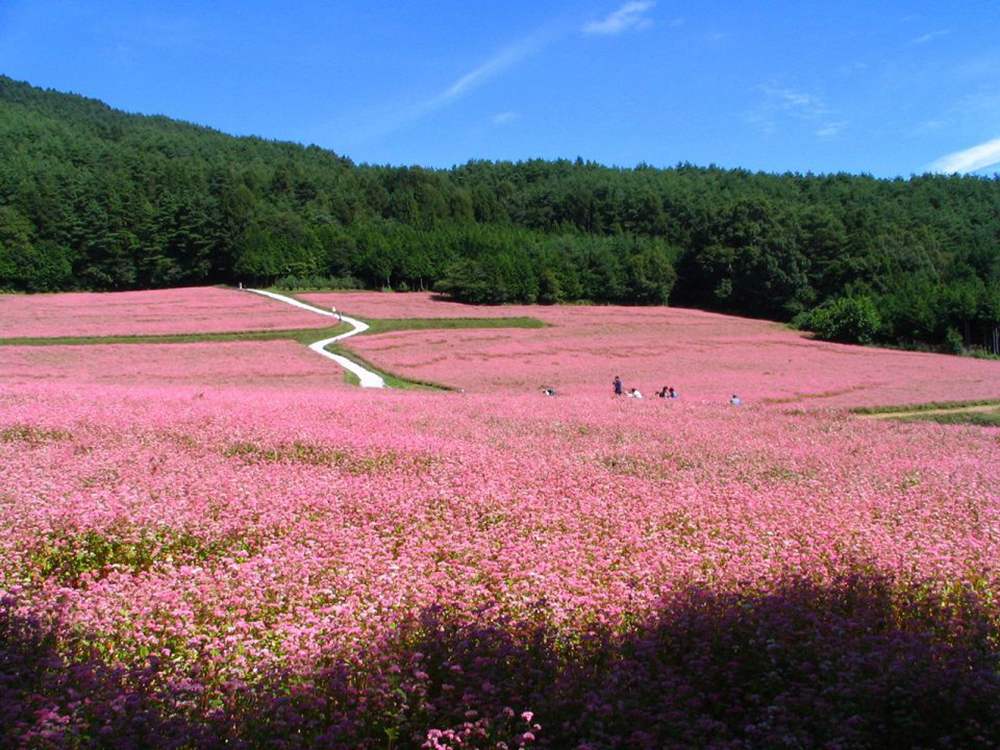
(889, 88)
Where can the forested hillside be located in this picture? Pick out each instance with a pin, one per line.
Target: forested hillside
(93, 198)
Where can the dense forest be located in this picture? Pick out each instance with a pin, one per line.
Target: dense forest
(94, 198)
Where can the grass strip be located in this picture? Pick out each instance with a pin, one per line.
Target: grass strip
(930, 406)
(391, 380)
(977, 418)
(302, 335)
(387, 325)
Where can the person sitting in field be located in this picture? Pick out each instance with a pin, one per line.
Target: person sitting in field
(671, 393)
(735, 400)
(663, 392)
(634, 393)
(547, 391)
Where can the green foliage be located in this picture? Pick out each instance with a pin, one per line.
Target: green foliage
(26, 263)
(927, 406)
(314, 455)
(977, 418)
(68, 555)
(853, 320)
(953, 341)
(98, 199)
(316, 282)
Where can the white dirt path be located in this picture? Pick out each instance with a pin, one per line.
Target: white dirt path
(367, 378)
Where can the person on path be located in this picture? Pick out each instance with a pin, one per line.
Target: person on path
(618, 385)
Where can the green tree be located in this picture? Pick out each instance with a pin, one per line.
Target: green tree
(852, 320)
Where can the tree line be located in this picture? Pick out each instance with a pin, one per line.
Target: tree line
(94, 198)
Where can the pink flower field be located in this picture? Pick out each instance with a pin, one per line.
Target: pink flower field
(222, 545)
(705, 356)
(162, 311)
(275, 364)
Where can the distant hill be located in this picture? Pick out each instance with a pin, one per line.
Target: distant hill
(95, 198)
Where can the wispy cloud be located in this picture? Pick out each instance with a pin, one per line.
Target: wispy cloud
(505, 118)
(924, 38)
(632, 15)
(962, 112)
(393, 118)
(791, 100)
(969, 160)
(504, 59)
(780, 106)
(928, 126)
(831, 129)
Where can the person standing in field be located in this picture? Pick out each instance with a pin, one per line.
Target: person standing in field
(618, 385)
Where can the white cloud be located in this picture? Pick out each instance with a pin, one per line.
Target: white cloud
(963, 112)
(928, 126)
(391, 118)
(831, 129)
(782, 107)
(923, 39)
(970, 160)
(790, 99)
(630, 16)
(505, 118)
(504, 59)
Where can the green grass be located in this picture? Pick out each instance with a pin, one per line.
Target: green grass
(391, 381)
(978, 418)
(387, 325)
(304, 336)
(930, 406)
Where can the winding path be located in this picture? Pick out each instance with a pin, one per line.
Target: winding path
(367, 378)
